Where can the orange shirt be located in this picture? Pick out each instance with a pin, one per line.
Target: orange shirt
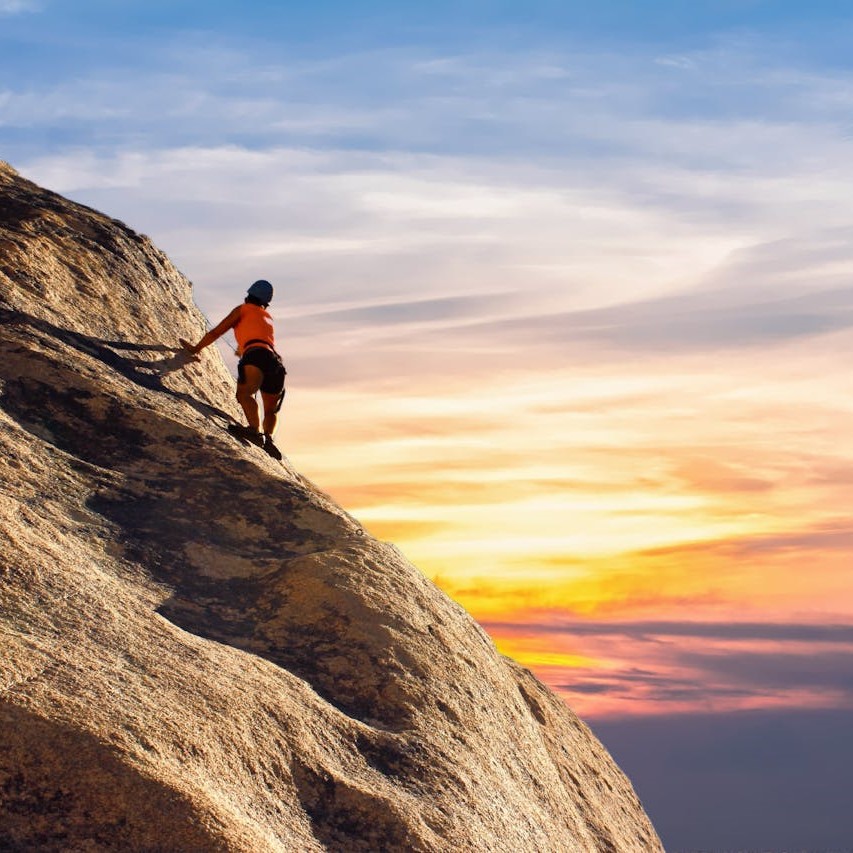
(255, 324)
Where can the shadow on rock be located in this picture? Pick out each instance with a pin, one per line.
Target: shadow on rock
(144, 372)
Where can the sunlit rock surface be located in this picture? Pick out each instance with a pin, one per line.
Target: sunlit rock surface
(200, 651)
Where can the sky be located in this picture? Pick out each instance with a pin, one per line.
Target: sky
(563, 293)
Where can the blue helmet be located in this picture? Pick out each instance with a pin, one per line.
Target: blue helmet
(262, 291)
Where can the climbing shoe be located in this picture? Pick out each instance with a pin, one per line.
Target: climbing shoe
(271, 448)
(246, 434)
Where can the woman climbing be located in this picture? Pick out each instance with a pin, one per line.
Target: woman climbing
(259, 368)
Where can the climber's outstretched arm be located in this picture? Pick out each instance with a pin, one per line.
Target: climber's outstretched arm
(228, 323)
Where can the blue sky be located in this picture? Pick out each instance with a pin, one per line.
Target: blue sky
(623, 227)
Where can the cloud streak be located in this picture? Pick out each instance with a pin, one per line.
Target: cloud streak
(18, 7)
(656, 667)
(644, 630)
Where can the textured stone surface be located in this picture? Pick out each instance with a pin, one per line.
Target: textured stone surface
(200, 651)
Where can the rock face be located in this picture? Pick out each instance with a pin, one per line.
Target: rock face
(200, 651)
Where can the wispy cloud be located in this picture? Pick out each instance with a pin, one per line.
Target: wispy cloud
(819, 633)
(17, 7)
(655, 667)
(303, 217)
(678, 324)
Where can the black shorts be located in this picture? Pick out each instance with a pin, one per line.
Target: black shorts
(269, 363)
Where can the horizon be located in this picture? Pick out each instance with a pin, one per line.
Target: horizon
(574, 284)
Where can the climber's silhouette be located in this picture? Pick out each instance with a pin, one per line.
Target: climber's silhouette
(259, 368)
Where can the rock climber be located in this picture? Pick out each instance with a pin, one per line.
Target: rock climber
(259, 369)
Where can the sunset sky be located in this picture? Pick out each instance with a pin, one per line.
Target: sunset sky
(564, 294)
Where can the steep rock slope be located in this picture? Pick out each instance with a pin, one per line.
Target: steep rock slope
(200, 651)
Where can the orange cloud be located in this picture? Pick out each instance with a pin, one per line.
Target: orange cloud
(613, 490)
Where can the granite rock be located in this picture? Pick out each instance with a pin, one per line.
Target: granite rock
(200, 650)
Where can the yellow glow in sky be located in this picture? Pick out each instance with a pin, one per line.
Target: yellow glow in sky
(707, 488)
